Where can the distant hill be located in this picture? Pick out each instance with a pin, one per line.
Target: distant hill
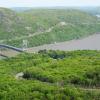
(21, 9)
(91, 10)
(45, 26)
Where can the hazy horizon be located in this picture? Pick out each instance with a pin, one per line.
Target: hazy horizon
(49, 3)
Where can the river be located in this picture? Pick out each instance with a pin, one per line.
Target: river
(88, 43)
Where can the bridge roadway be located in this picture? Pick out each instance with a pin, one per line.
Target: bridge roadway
(11, 52)
(11, 47)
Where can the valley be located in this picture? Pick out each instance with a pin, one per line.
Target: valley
(87, 43)
(49, 53)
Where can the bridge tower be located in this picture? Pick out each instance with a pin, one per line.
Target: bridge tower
(0, 50)
(25, 45)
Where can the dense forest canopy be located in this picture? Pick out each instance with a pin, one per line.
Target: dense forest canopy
(51, 75)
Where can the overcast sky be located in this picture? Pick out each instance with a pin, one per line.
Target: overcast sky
(48, 3)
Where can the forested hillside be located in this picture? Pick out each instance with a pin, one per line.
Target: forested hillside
(11, 25)
(51, 75)
(45, 26)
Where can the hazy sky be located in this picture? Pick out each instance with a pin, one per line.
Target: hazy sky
(48, 3)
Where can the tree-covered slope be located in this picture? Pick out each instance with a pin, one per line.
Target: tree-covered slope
(51, 75)
(11, 25)
(45, 26)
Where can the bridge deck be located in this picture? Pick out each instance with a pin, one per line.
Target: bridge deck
(11, 47)
(10, 51)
